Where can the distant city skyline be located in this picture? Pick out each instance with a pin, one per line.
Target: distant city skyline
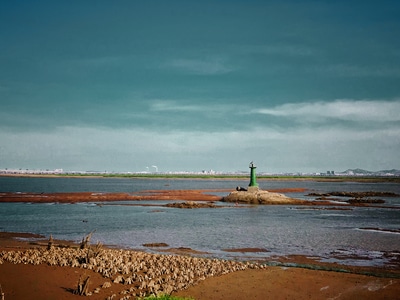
(296, 86)
(348, 172)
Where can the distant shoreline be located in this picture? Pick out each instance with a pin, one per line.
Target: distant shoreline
(334, 178)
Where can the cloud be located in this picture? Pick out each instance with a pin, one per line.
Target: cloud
(350, 70)
(352, 110)
(213, 66)
(173, 105)
(104, 61)
(278, 49)
(205, 106)
(273, 149)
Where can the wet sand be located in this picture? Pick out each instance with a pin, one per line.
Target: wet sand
(44, 281)
(188, 195)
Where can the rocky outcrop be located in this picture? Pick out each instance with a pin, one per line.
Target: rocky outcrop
(190, 204)
(256, 196)
(141, 273)
(356, 194)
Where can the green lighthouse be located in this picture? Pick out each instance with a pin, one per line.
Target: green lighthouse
(253, 181)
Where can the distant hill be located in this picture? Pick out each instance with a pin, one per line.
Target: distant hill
(358, 171)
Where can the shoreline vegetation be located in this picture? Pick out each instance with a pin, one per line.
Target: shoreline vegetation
(321, 178)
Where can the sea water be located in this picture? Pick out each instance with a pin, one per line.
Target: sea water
(334, 235)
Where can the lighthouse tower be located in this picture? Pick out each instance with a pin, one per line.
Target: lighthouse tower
(253, 181)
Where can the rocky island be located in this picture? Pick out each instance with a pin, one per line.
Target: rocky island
(253, 195)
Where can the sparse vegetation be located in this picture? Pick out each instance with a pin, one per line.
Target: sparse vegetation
(86, 241)
(83, 286)
(165, 297)
(92, 251)
(50, 243)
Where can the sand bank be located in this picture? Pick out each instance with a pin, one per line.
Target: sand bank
(188, 195)
(203, 195)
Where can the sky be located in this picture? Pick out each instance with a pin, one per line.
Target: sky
(121, 86)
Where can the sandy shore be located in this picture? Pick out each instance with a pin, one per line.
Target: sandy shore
(293, 283)
(51, 281)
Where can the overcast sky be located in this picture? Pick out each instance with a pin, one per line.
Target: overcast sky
(295, 86)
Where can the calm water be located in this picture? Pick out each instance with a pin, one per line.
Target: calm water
(280, 229)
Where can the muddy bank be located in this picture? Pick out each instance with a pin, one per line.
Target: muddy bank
(356, 194)
(149, 195)
(188, 195)
(194, 198)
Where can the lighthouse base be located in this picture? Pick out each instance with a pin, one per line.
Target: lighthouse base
(252, 189)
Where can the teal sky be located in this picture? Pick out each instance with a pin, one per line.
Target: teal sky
(295, 86)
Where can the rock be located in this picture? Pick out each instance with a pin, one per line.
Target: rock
(146, 273)
(362, 201)
(240, 189)
(190, 204)
(153, 245)
(256, 196)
